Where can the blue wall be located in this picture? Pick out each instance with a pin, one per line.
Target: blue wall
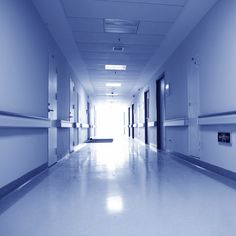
(24, 61)
(212, 43)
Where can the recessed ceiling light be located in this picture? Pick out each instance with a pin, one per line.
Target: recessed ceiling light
(113, 84)
(115, 67)
(121, 26)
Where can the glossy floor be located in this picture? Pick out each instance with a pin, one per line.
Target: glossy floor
(121, 189)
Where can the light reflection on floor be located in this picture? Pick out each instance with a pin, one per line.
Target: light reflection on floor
(119, 189)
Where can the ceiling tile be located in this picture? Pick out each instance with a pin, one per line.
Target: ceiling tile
(86, 24)
(165, 2)
(159, 28)
(130, 39)
(94, 62)
(102, 47)
(121, 10)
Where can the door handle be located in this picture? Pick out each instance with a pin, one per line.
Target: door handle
(50, 110)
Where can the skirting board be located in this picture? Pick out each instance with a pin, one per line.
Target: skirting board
(139, 141)
(79, 147)
(153, 147)
(216, 169)
(23, 179)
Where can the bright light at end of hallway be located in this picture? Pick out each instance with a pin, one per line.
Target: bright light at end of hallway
(115, 204)
(110, 120)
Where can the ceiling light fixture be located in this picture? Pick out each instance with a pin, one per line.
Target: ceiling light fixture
(118, 49)
(112, 94)
(115, 67)
(113, 84)
(121, 26)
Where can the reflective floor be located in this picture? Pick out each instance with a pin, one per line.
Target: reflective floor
(121, 189)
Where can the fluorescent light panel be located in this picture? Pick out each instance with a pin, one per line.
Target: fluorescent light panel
(113, 84)
(115, 67)
(121, 26)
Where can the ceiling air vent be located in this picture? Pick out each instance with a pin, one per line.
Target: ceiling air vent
(118, 49)
(121, 26)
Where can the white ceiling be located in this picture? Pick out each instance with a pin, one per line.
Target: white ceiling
(86, 19)
(78, 27)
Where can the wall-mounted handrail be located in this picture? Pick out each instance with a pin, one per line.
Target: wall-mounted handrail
(177, 122)
(84, 126)
(64, 124)
(224, 118)
(218, 114)
(152, 124)
(16, 120)
(141, 125)
(77, 125)
(13, 114)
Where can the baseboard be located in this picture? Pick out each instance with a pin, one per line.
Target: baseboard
(153, 147)
(79, 147)
(22, 180)
(139, 141)
(66, 156)
(216, 169)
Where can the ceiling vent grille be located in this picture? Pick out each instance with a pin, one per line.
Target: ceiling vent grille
(121, 26)
(118, 49)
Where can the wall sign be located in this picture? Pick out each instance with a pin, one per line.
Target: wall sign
(224, 137)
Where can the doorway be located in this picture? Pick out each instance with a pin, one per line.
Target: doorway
(72, 114)
(76, 130)
(88, 120)
(146, 115)
(129, 122)
(132, 116)
(52, 111)
(160, 107)
(193, 108)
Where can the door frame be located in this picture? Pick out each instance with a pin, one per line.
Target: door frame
(160, 109)
(52, 110)
(194, 108)
(129, 122)
(132, 120)
(146, 115)
(88, 120)
(72, 103)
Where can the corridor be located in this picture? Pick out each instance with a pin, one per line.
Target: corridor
(117, 118)
(121, 188)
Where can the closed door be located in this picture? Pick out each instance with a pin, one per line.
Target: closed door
(129, 122)
(72, 114)
(77, 118)
(132, 116)
(193, 108)
(88, 120)
(52, 111)
(160, 104)
(146, 115)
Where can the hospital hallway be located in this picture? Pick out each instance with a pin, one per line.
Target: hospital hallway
(117, 118)
(121, 188)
